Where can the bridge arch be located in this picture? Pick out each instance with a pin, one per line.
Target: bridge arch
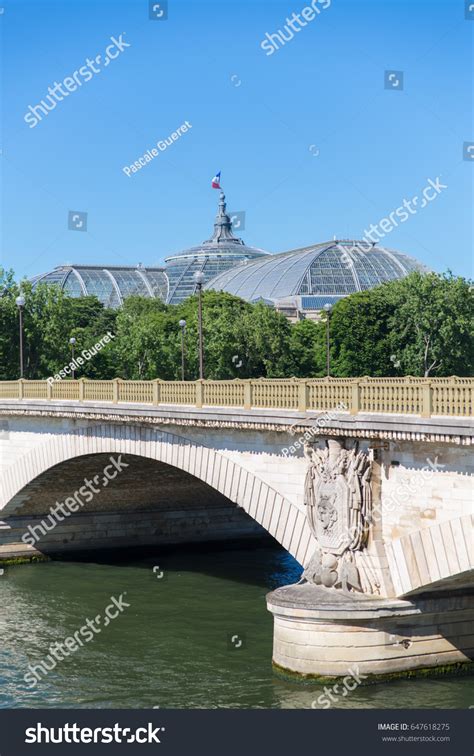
(441, 555)
(280, 517)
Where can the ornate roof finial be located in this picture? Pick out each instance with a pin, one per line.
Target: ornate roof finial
(223, 226)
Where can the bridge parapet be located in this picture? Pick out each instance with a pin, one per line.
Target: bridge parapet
(409, 395)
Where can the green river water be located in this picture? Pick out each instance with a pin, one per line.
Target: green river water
(196, 634)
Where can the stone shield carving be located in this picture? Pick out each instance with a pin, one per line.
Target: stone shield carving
(338, 500)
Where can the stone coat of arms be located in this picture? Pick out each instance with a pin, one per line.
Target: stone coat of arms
(338, 501)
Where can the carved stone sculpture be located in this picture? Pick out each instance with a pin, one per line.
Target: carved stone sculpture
(338, 502)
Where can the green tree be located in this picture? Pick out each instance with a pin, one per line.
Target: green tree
(241, 340)
(419, 325)
(359, 334)
(145, 346)
(89, 321)
(44, 318)
(268, 336)
(431, 325)
(308, 349)
(9, 349)
(50, 319)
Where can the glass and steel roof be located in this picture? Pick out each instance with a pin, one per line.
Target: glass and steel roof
(335, 268)
(214, 256)
(317, 303)
(110, 284)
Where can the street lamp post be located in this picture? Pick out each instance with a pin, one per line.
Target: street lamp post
(182, 325)
(199, 279)
(72, 341)
(20, 303)
(327, 308)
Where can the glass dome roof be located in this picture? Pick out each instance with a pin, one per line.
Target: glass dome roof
(111, 285)
(330, 269)
(214, 256)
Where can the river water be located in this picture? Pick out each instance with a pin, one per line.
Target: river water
(196, 633)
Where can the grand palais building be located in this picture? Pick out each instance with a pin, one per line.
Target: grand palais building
(298, 283)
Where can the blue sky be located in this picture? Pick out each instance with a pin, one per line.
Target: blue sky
(309, 142)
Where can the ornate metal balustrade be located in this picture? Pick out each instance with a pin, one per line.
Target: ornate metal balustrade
(409, 396)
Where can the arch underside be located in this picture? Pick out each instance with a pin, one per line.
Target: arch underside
(440, 557)
(180, 491)
(173, 489)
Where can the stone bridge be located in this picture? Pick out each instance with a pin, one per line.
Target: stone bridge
(80, 475)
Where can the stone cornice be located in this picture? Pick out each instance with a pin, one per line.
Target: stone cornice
(385, 427)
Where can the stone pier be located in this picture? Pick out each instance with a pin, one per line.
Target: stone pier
(344, 613)
(321, 634)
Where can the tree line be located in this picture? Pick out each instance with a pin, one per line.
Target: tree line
(420, 325)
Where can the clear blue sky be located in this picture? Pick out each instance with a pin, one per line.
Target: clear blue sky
(324, 88)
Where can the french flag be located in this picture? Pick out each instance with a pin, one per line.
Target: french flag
(216, 181)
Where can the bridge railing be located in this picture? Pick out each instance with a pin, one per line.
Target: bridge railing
(409, 396)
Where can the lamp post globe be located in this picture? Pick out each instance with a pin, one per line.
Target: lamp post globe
(182, 325)
(199, 279)
(72, 341)
(20, 303)
(327, 308)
